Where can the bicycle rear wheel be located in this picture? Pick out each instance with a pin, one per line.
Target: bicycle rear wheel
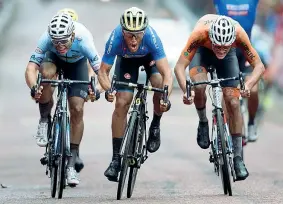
(62, 158)
(224, 167)
(125, 163)
(136, 152)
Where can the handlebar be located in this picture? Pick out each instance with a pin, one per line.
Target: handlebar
(214, 82)
(114, 82)
(64, 82)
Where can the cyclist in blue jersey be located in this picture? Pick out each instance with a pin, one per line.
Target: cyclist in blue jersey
(135, 44)
(244, 12)
(65, 45)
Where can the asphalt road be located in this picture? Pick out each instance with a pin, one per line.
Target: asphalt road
(178, 173)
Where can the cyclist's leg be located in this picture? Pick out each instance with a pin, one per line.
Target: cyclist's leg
(77, 93)
(198, 72)
(126, 69)
(229, 67)
(253, 101)
(48, 71)
(153, 142)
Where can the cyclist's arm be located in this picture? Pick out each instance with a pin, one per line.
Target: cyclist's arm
(35, 60)
(103, 75)
(88, 49)
(251, 55)
(111, 50)
(159, 56)
(164, 69)
(185, 58)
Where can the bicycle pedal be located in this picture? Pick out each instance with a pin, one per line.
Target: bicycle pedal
(43, 161)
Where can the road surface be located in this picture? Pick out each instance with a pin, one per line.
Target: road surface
(178, 173)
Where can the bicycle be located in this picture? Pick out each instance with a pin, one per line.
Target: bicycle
(133, 150)
(58, 146)
(221, 153)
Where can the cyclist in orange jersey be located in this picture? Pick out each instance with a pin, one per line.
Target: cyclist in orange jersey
(213, 42)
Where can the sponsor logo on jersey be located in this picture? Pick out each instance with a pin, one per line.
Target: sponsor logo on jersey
(36, 59)
(238, 10)
(153, 38)
(111, 42)
(127, 76)
(38, 50)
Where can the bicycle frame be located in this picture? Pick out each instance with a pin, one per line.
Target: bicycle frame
(217, 104)
(138, 104)
(61, 107)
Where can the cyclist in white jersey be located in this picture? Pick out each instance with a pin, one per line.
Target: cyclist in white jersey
(66, 45)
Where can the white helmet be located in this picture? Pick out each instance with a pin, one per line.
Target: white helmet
(61, 26)
(222, 32)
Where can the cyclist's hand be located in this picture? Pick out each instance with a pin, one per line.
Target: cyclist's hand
(164, 107)
(110, 96)
(190, 100)
(93, 96)
(36, 92)
(247, 92)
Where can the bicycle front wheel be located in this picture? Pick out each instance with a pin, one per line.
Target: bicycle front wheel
(224, 166)
(53, 166)
(137, 153)
(62, 158)
(125, 161)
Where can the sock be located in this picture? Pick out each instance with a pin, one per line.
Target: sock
(237, 144)
(156, 120)
(116, 143)
(45, 109)
(74, 151)
(202, 114)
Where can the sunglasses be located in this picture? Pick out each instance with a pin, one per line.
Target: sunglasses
(60, 41)
(130, 34)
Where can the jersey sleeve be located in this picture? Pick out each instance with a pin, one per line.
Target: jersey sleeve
(42, 47)
(155, 44)
(110, 51)
(89, 50)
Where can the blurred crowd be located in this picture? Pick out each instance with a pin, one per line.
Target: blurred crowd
(268, 11)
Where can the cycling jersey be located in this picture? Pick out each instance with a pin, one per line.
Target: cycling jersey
(243, 11)
(116, 46)
(82, 46)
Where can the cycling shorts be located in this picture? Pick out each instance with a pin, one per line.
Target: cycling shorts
(127, 70)
(73, 71)
(227, 67)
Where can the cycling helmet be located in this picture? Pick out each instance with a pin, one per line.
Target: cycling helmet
(134, 19)
(71, 12)
(222, 32)
(61, 26)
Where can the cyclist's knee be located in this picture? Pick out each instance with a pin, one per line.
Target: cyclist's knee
(48, 70)
(156, 80)
(123, 102)
(198, 74)
(76, 110)
(231, 97)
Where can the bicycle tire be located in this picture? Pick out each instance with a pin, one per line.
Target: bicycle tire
(137, 149)
(52, 163)
(225, 175)
(125, 164)
(62, 158)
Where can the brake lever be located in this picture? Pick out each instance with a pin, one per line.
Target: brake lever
(92, 83)
(188, 87)
(165, 94)
(38, 82)
(113, 82)
(242, 83)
